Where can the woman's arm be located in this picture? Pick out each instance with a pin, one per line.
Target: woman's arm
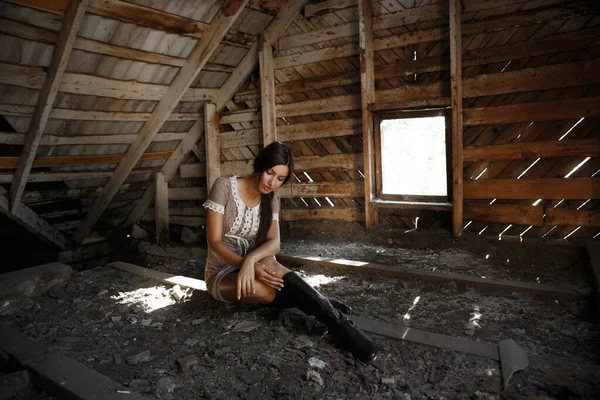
(271, 246)
(247, 274)
(214, 234)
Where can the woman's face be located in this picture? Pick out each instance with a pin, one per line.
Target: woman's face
(272, 178)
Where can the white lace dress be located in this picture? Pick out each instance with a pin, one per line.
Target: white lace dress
(240, 226)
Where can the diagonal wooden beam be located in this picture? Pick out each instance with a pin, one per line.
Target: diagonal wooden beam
(60, 57)
(186, 76)
(288, 13)
(32, 222)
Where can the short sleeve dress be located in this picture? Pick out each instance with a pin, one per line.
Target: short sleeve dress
(240, 227)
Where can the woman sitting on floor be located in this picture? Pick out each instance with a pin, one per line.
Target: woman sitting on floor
(243, 238)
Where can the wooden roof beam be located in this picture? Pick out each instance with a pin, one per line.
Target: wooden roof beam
(18, 110)
(67, 140)
(142, 16)
(94, 85)
(68, 32)
(70, 176)
(186, 76)
(70, 161)
(276, 28)
(35, 33)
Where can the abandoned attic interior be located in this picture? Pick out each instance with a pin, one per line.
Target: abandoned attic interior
(299, 199)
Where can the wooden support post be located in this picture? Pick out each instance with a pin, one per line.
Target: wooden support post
(367, 89)
(267, 92)
(213, 144)
(60, 57)
(457, 116)
(161, 207)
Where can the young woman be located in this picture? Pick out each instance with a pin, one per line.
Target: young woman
(243, 238)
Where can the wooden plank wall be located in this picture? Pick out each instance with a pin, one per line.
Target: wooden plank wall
(529, 82)
(531, 111)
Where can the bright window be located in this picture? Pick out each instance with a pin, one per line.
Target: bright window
(413, 156)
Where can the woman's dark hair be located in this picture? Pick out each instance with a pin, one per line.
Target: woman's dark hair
(274, 154)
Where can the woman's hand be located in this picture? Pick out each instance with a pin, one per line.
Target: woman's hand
(245, 278)
(267, 276)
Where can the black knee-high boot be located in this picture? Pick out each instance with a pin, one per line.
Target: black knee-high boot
(298, 293)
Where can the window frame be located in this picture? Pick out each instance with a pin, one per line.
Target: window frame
(379, 195)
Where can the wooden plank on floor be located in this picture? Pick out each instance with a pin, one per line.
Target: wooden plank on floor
(170, 279)
(502, 285)
(480, 349)
(61, 376)
(33, 281)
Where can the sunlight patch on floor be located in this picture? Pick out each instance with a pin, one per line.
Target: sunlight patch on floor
(150, 298)
(319, 280)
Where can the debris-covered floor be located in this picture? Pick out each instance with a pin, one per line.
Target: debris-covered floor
(134, 331)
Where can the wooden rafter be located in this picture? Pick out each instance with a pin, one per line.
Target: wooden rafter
(186, 76)
(72, 19)
(32, 222)
(71, 161)
(31, 32)
(143, 16)
(69, 176)
(18, 110)
(276, 28)
(67, 140)
(93, 85)
(326, 6)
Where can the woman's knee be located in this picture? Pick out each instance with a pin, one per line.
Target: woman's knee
(272, 263)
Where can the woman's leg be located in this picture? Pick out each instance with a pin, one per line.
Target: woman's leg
(228, 289)
(296, 292)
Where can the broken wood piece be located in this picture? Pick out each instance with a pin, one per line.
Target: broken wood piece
(178, 294)
(392, 331)
(511, 356)
(432, 372)
(512, 359)
(63, 377)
